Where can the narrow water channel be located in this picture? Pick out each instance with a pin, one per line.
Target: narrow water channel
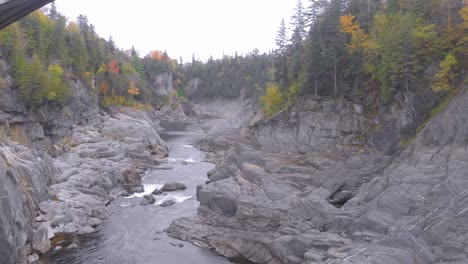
(134, 233)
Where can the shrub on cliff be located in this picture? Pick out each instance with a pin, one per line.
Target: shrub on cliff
(273, 100)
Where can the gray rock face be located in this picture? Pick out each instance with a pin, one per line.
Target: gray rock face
(24, 177)
(60, 166)
(173, 186)
(68, 193)
(192, 87)
(163, 84)
(314, 185)
(43, 127)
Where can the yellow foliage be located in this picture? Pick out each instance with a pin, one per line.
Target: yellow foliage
(273, 100)
(444, 79)
(359, 39)
(103, 69)
(347, 25)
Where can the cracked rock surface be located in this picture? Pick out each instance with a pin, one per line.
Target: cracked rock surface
(318, 184)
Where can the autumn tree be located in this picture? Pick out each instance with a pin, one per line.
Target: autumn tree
(273, 100)
(357, 46)
(445, 78)
(132, 89)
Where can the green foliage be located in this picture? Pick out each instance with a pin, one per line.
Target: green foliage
(273, 100)
(292, 94)
(57, 90)
(388, 46)
(392, 46)
(37, 86)
(31, 80)
(445, 78)
(181, 94)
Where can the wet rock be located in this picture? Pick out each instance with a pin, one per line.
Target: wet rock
(181, 245)
(173, 186)
(167, 203)
(147, 199)
(157, 192)
(41, 240)
(72, 246)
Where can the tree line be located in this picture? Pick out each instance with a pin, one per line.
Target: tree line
(331, 48)
(347, 48)
(48, 54)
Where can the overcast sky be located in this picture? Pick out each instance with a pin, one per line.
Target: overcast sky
(185, 27)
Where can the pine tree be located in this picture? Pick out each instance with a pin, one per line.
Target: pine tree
(281, 67)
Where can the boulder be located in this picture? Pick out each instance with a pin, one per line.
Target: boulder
(167, 203)
(173, 186)
(147, 199)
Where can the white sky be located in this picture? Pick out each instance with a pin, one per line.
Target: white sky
(184, 27)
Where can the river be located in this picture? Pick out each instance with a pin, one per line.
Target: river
(134, 233)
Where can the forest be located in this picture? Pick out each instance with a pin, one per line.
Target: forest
(349, 48)
(332, 48)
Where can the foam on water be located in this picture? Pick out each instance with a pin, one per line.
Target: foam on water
(176, 198)
(189, 160)
(148, 189)
(187, 146)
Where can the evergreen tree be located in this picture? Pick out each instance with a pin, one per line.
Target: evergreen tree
(281, 72)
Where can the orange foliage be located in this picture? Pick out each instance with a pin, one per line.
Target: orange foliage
(114, 67)
(347, 25)
(159, 56)
(156, 55)
(359, 39)
(132, 89)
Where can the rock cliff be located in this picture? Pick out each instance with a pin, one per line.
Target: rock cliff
(61, 165)
(329, 182)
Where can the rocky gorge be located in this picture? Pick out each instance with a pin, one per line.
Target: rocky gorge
(323, 181)
(61, 166)
(339, 181)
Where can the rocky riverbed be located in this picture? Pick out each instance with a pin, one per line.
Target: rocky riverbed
(333, 181)
(46, 195)
(325, 181)
(134, 231)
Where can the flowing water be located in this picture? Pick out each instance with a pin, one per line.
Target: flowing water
(134, 233)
